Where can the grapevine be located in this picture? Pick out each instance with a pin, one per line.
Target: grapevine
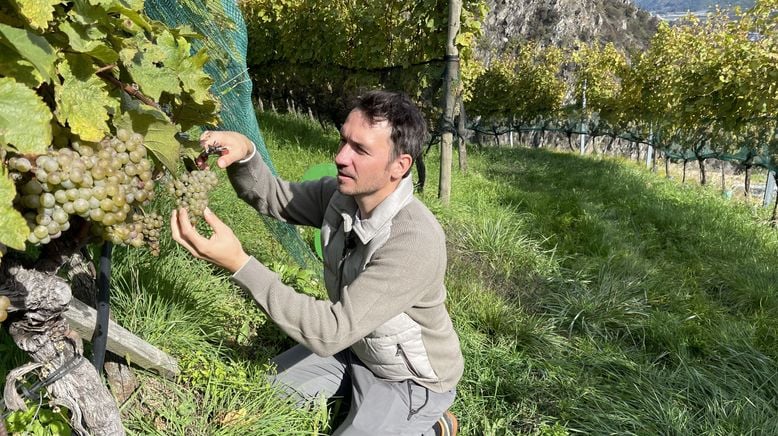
(120, 95)
(104, 183)
(96, 103)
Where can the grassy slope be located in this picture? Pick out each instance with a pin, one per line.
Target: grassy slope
(590, 296)
(624, 303)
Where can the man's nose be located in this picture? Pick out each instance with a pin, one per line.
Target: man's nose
(341, 158)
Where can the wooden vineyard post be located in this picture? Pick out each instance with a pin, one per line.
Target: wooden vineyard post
(449, 100)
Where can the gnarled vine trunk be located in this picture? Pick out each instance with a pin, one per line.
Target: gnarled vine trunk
(39, 297)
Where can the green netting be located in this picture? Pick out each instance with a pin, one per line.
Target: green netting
(225, 35)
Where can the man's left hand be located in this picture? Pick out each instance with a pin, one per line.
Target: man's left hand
(223, 248)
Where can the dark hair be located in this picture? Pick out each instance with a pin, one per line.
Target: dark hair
(409, 129)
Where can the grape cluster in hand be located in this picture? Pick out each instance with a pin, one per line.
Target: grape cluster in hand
(5, 303)
(101, 182)
(191, 191)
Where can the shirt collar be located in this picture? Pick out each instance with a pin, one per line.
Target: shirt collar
(366, 229)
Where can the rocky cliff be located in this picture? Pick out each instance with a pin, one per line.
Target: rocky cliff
(564, 23)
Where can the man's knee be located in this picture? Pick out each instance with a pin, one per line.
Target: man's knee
(302, 376)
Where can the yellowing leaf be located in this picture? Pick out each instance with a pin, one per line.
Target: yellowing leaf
(82, 100)
(13, 227)
(37, 12)
(25, 120)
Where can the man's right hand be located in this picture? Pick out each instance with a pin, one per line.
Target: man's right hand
(236, 146)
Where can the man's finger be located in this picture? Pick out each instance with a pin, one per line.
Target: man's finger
(232, 147)
(175, 231)
(205, 137)
(188, 232)
(201, 162)
(226, 159)
(216, 224)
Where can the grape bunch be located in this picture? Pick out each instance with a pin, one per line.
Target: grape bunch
(142, 229)
(100, 182)
(5, 303)
(191, 191)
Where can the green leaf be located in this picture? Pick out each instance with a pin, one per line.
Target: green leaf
(172, 51)
(133, 14)
(89, 40)
(82, 100)
(194, 79)
(85, 13)
(37, 12)
(13, 227)
(148, 64)
(25, 120)
(159, 133)
(190, 114)
(31, 47)
(13, 65)
(176, 55)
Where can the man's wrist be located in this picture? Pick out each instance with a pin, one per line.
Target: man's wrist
(240, 261)
(251, 154)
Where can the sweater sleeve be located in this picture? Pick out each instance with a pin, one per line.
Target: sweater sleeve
(296, 203)
(401, 274)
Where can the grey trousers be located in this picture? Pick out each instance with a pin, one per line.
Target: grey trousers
(378, 407)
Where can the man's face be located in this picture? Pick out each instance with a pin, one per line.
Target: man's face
(364, 167)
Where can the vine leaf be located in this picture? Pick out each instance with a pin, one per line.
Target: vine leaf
(85, 13)
(82, 100)
(31, 47)
(25, 120)
(150, 67)
(13, 227)
(89, 40)
(38, 12)
(159, 132)
(190, 114)
(193, 77)
(133, 15)
(13, 65)
(188, 68)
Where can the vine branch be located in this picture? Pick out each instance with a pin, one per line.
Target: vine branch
(106, 74)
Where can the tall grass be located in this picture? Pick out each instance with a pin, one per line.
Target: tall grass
(655, 298)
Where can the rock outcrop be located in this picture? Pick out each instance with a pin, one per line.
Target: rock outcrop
(565, 23)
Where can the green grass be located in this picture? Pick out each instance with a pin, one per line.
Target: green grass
(590, 296)
(652, 310)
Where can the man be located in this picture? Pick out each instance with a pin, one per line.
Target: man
(384, 338)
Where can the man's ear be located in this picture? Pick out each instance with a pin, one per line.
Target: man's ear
(401, 165)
